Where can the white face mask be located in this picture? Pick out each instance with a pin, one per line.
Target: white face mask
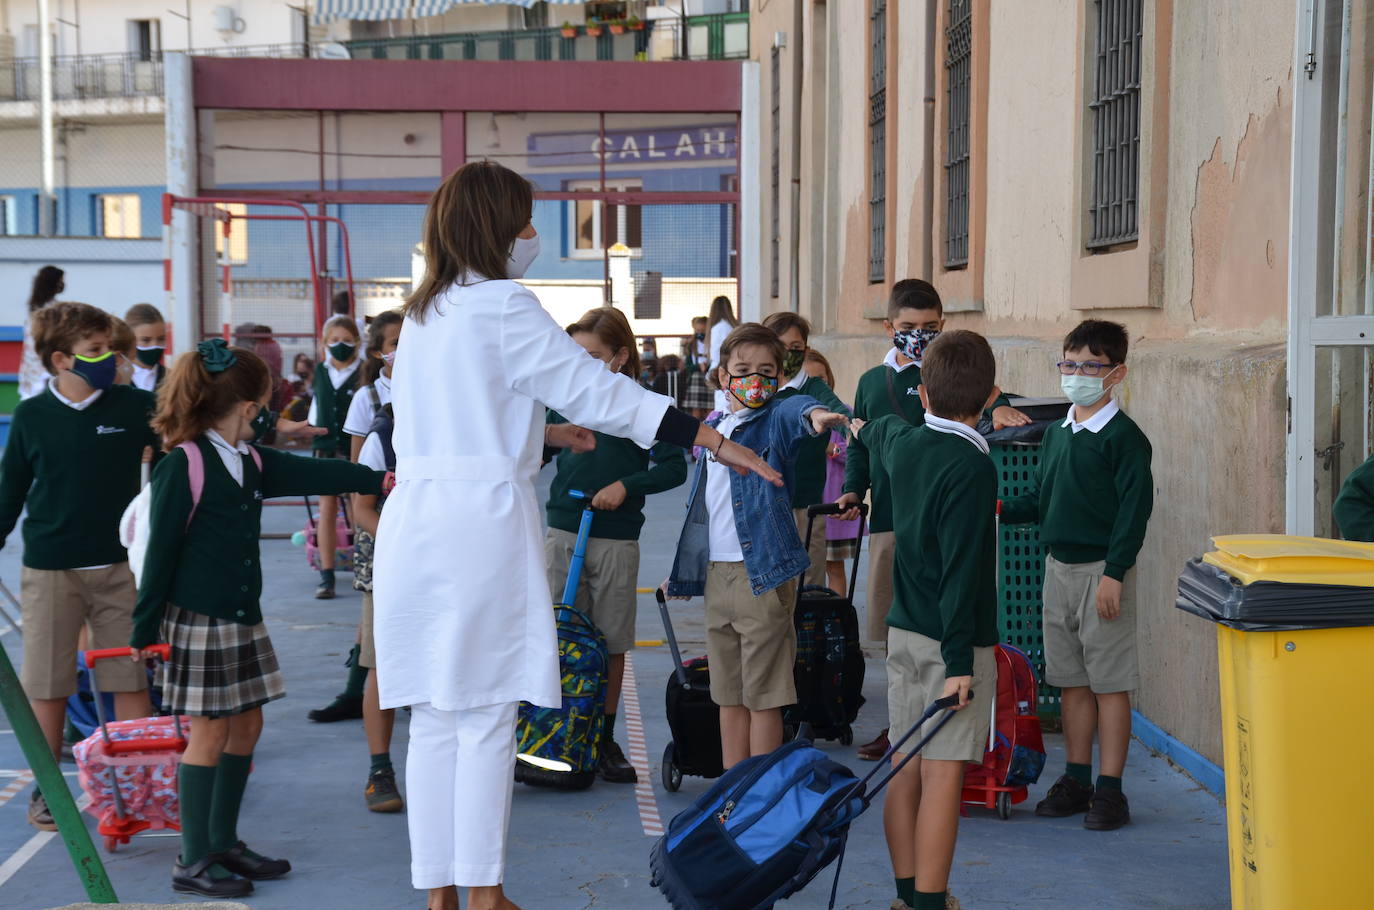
(522, 253)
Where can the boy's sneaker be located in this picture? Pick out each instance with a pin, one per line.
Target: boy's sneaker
(614, 766)
(381, 792)
(1066, 797)
(39, 814)
(325, 591)
(1109, 811)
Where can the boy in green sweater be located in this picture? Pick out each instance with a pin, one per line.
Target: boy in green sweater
(808, 483)
(943, 623)
(73, 457)
(1354, 508)
(1093, 499)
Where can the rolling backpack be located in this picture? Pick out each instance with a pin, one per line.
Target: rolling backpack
(560, 747)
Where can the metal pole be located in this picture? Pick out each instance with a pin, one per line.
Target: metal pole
(47, 209)
(70, 825)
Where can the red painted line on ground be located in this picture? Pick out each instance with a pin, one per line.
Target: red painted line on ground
(639, 754)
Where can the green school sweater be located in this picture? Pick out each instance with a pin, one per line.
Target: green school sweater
(944, 575)
(212, 567)
(808, 484)
(862, 471)
(1354, 508)
(77, 472)
(1093, 496)
(331, 410)
(613, 459)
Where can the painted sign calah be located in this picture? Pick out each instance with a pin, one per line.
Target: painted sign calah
(654, 145)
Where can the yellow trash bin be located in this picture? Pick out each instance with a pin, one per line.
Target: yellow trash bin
(1295, 644)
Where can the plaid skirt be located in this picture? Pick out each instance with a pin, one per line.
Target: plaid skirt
(838, 550)
(698, 396)
(218, 668)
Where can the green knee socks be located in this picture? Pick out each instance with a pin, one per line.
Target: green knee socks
(357, 675)
(231, 778)
(195, 790)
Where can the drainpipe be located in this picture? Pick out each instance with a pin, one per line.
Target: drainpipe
(798, 47)
(47, 210)
(928, 139)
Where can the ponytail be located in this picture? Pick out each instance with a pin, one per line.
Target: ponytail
(192, 397)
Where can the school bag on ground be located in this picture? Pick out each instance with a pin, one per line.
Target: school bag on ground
(560, 747)
(81, 710)
(1015, 753)
(770, 825)
(829, 672)
(135, 523)
(693, 719)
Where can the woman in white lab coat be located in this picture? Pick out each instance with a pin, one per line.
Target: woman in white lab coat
(464, 628)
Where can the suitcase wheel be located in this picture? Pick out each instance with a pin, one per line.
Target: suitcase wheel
(672, 774)
(111, 843)
(1004, 806)
(847, 736)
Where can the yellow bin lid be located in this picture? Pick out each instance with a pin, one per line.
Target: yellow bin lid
(1293, 560)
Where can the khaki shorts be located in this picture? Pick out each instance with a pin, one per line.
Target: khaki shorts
(882, 546)
(916, 677)
(606, 592)
(751, 642)
(55, 604)
(1081, 648)
(815, 573)
(367, 642)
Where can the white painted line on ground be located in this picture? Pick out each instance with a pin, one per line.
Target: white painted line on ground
(31, 847)
(21, 780)
(13, 772)
(639, 754)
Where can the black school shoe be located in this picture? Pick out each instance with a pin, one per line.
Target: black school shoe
(613, 765)
(1109, 810)
(343, 707)
(1066, 797)
(239, 860)
(196, 879)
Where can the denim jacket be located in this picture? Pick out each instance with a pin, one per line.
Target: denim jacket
(773, 551)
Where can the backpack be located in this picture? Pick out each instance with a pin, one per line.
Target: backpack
(134, 524)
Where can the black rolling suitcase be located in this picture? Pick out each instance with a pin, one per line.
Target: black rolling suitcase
(829, 671)
(692, 717)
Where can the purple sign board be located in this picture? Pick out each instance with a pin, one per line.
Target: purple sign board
(658, 145)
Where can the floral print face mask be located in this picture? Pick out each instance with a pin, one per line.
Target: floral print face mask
(753, 390)
(913, 342)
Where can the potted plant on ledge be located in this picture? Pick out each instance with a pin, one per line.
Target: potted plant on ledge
(617, 26)
(634, 24)
(569, 30)
(594, 28)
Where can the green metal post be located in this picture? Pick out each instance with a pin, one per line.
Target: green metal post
(49, 779)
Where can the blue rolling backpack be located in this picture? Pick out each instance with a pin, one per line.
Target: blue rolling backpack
(560, 747)
(770, 825)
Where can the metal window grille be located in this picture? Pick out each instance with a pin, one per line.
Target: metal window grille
(775, 189)
(877, 141)
(1116, 128)
(958, 78)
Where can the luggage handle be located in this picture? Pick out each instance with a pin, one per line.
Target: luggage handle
(833, 508)
(579, 556)
(678, 669)
(162, 652)
(940, 704)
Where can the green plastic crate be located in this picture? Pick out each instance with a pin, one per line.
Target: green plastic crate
(1021, 570)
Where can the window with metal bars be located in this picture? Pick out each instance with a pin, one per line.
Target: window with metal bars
(958, 79)
(775, 188)
(1116, 124)
(877, 141)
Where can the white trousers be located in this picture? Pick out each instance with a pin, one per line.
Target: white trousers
(460, 770)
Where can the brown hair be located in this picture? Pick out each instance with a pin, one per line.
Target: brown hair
(63, 326)
(191, 398)
(142, 314)
(786, 321)
(122, 337)
(472, 221)
(47, 284)
(721, 309)
(610, 325)
(376, 337)
(818, 357)
(913, 294)
(751, 333)
(958, 372)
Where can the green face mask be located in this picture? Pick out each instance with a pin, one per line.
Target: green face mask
(261, 424)
(341, 351)
(792, 362)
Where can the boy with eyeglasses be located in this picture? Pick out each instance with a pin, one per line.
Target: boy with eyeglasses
(1092, 500)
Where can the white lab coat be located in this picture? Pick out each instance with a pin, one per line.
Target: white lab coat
(463, 617)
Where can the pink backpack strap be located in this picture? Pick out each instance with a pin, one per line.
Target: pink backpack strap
(257, 458)
(195, 472)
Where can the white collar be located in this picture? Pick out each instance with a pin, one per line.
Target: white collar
(139, 367)
(220, 442)
(74, 405)
(955, 428)
(796, 382)
(1095, 423)
(338, 376)
(891, 361)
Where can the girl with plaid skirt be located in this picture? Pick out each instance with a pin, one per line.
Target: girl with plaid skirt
(199, 592)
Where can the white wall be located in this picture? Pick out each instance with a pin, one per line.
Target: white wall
(110, 274)
(101, 25)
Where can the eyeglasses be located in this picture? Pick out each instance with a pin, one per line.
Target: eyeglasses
(1085, 367)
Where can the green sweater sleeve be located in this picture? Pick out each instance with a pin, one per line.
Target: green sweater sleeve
(669, 470)
(1135, 501)
(170, 508)
(16, 476)
(878, 436)
(1354, 508)
(856, 471)
(967, 514)
(293, 475)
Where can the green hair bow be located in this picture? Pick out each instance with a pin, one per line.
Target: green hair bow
(216, 355)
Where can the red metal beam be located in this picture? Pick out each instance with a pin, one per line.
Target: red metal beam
(421, 197)
(465, 85)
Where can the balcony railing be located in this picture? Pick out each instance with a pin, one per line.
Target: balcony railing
(112, 75)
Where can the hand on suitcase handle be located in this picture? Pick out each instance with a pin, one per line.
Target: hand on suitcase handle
(950, 702)
(834, 508)
(162, 652)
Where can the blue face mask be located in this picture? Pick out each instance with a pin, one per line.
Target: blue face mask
(99, 372)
